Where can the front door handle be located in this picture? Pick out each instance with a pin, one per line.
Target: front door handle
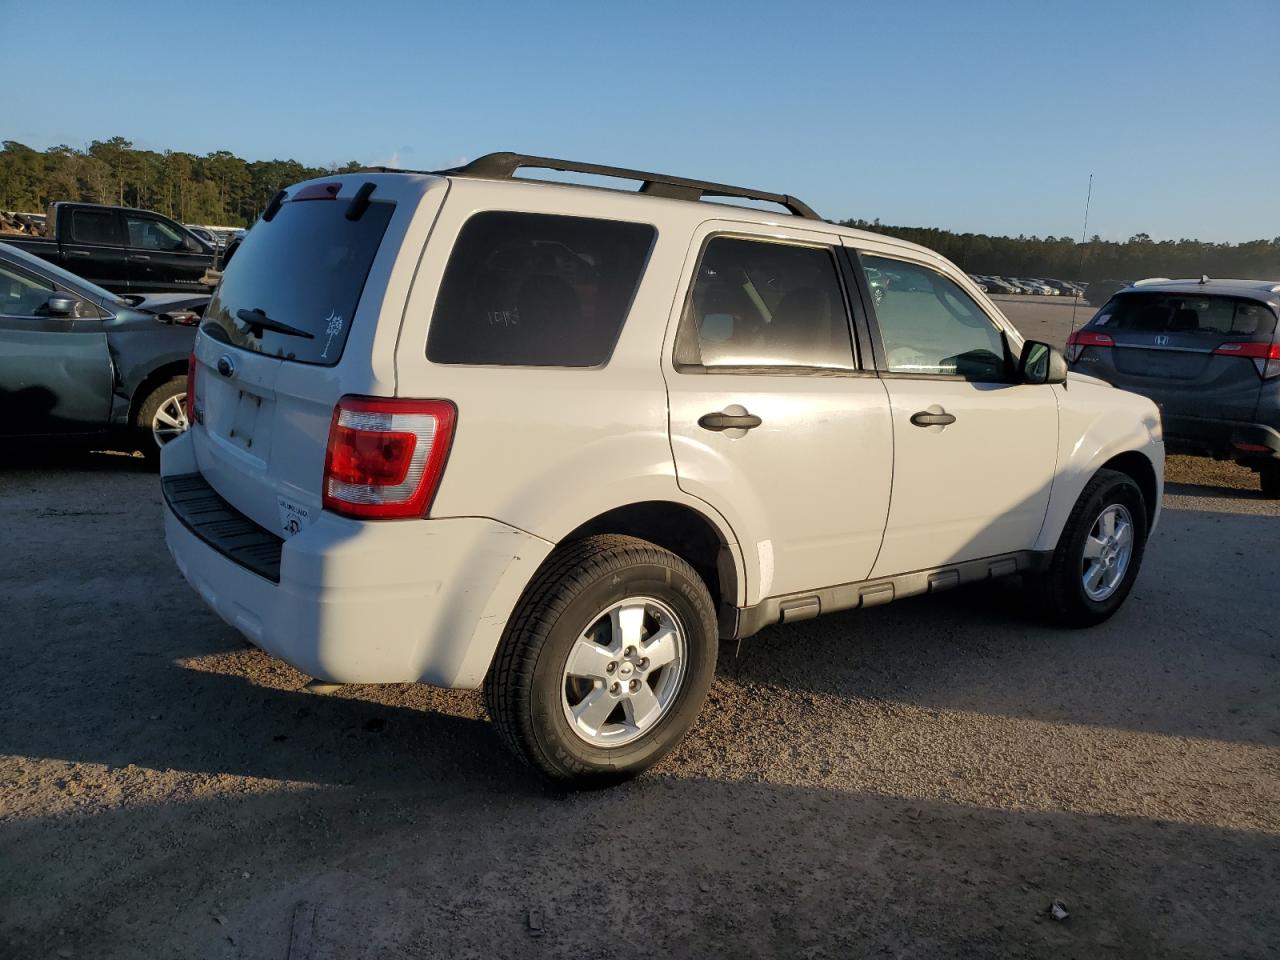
(139, 258)
(729, 421)
(926, 418)
(79, 254)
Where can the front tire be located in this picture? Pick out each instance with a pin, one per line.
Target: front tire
(606, 661)
(1098, 555)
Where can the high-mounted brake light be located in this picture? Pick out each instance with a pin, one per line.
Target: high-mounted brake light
(386, 456)
(317, 191)
(1265, 356)
(195, 409)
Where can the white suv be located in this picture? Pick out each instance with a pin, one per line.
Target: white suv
(554, 440)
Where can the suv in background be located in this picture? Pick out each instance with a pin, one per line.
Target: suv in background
(1206, 352)
(472, 429)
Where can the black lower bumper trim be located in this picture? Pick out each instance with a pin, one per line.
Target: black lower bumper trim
(1219, 437)
(223, 527)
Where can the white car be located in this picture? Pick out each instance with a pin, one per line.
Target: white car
(558, 441)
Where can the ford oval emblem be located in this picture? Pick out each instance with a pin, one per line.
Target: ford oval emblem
(226, 366)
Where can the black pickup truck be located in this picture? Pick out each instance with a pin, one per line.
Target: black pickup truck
(123, 250)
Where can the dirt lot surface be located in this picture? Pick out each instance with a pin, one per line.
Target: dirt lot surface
(916, 780)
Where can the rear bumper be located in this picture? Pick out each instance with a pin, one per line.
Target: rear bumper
(388, 602)
(1219, 438)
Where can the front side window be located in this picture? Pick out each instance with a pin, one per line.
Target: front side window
(539, 290)
(148, 234)
(21, 295)
(761, 303)
(930, 326)
(96, 226)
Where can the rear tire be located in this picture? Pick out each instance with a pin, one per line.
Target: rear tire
(1269, 474)
(161, 417)
(1081, 588)
(605, 663)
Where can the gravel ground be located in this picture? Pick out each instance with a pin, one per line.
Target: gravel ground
(916, 780)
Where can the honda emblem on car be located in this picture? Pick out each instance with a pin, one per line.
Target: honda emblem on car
(226, 366)
(1160, 342)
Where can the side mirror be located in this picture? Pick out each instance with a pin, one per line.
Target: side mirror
(192, 245)
(63, 305)
(1041, 363)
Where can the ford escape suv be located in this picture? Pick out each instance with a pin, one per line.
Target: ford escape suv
(556, 441)
(1206, 352)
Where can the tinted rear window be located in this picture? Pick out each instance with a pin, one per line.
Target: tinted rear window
(306, 267)
(1186, 314)
(96, 226)
(529, 289)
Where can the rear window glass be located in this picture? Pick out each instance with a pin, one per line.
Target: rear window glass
(531, 289)
(305, 268)
(1186, 314)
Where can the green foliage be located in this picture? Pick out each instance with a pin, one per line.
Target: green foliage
(1063, 258)
(218, 188)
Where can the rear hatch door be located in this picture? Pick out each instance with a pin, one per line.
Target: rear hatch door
(294, 326)
(1178, 350)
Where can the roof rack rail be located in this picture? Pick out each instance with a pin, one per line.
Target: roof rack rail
(502, 166)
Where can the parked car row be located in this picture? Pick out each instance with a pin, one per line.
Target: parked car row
(1013, 285)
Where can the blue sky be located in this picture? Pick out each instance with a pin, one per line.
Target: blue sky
(971, 116)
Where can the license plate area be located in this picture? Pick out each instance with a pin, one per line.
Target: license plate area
(243, 431)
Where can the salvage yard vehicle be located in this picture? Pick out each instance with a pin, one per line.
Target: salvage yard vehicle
(557, 441)
(1207, 353)
(78, 363)
(121, 249)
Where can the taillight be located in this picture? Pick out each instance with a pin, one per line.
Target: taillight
(195, 409)
(386, 456)
(1086, 338)
(1265, 356)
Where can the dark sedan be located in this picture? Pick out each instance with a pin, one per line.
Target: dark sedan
(80, 363)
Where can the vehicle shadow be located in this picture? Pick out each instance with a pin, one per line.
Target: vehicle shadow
(1199, 617)
(99, 457)
(728, 868)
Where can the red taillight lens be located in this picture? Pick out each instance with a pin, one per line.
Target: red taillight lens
(1265, 356)
(1090, 338)
(1086, 338)
(195, 409)
(386, 456)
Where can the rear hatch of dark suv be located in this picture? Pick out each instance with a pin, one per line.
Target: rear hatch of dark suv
(1203, 357)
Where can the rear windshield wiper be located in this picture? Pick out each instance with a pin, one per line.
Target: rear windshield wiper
(257, 321)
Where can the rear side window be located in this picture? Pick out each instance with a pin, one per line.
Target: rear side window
(764, 304)
(306, 267)
(531, 289)
(96, 226)
(1184, 314)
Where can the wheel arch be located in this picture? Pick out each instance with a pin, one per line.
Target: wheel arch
(153, 379)
(1137, 466)
(684, 530)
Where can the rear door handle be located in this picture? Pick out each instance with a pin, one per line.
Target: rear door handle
(729, 421)
(79, 254)
(926, 419)
(139, 258)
